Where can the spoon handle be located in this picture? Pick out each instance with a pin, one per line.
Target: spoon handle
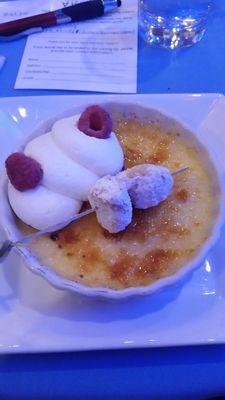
(179, 171)
(54, 228)
(7, 245)
(5, 249)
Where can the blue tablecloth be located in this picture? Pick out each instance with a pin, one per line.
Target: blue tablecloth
(199, 69)
(175, 373)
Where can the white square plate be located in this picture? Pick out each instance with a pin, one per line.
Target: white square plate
(35, 317)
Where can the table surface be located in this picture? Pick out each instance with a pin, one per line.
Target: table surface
(172, 373)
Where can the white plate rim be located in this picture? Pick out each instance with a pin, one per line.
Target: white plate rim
(115, 345)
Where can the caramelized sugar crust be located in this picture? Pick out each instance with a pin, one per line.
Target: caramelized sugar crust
(160, 240)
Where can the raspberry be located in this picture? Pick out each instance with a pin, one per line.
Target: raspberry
(95, 122)
(23, 172)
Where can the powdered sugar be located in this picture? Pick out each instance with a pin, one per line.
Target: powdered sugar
(147, 184)
(112, 202)
(142, 186)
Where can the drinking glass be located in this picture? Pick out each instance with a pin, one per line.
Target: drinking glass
(173, 23)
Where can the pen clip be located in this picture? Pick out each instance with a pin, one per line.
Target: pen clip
(27, 32)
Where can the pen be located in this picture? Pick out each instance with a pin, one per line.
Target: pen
(78, 12)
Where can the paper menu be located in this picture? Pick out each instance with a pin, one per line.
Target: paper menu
(97, 55)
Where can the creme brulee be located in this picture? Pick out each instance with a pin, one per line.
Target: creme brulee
(160, 240)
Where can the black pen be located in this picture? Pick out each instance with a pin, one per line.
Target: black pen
(78, 12)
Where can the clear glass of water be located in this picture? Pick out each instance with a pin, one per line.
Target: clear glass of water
(173, 23)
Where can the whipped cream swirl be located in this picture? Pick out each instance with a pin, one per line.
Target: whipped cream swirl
(72, 162)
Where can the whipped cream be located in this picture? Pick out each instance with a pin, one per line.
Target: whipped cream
(72, 162)
(41, 207)
(61, 174)
(101, 156)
